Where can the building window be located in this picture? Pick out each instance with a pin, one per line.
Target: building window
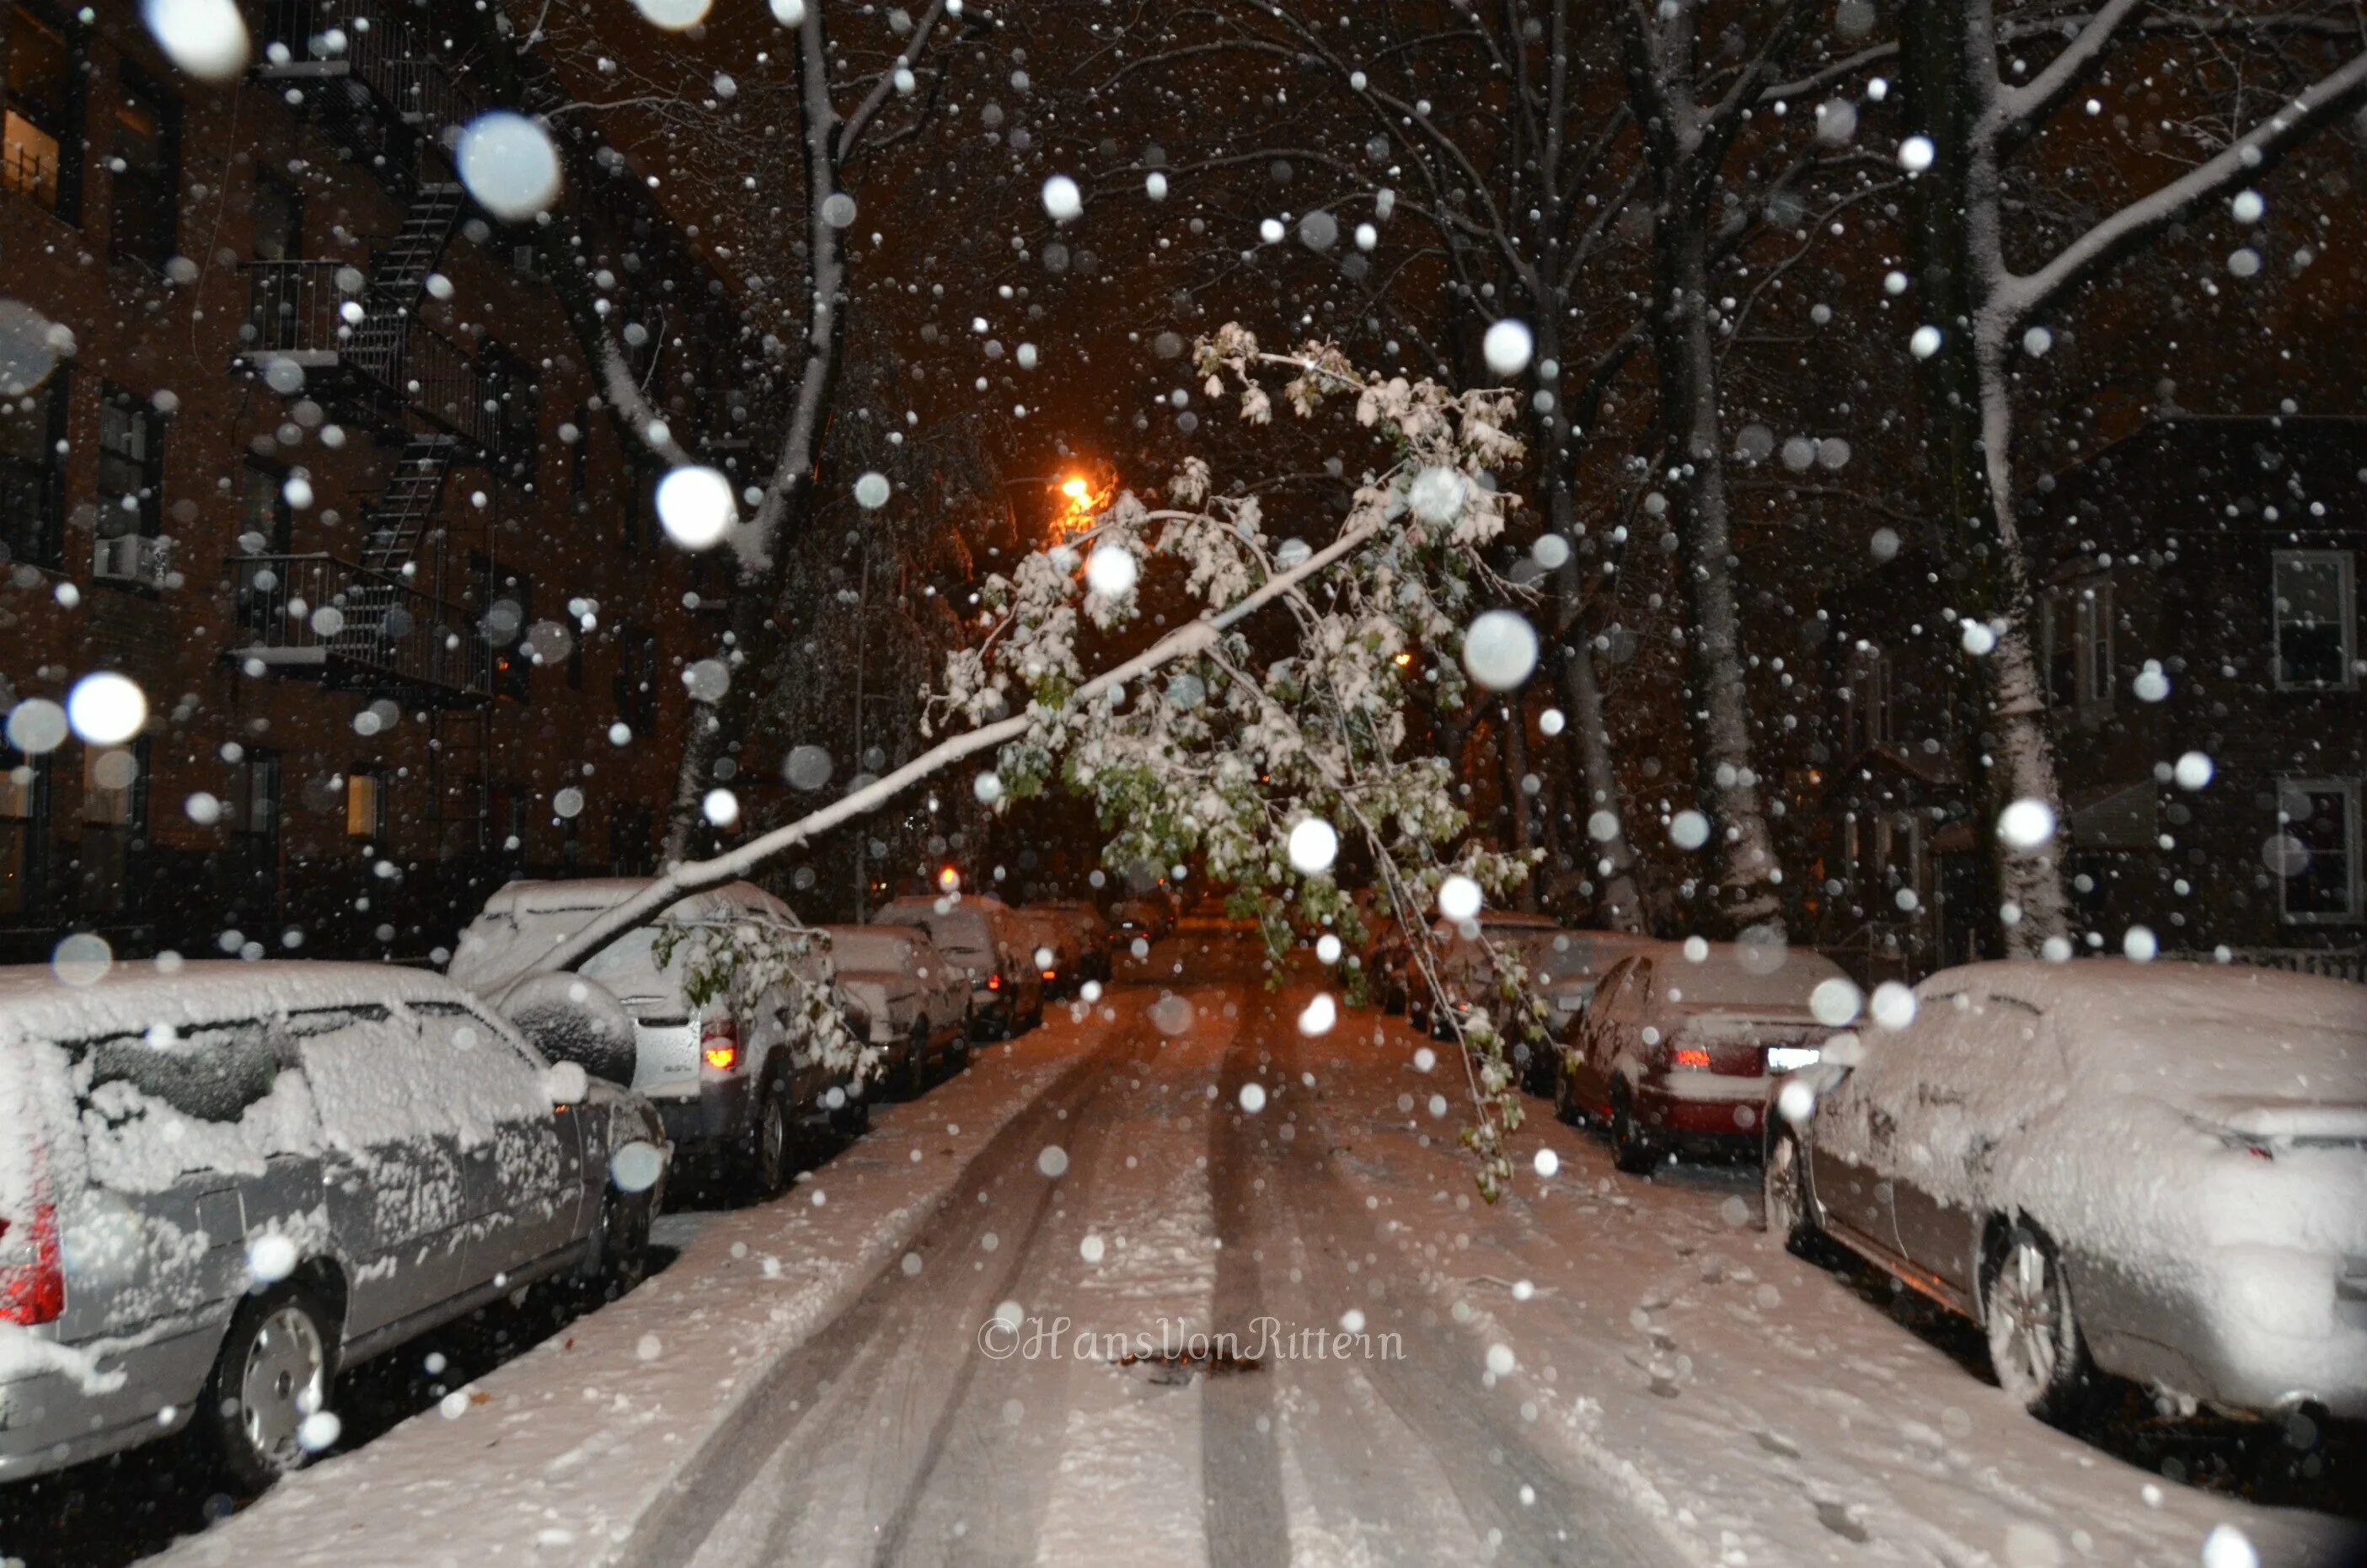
(114, 825)
(1866, 711)
(144, 199)
(278, 221)
(33, 472)
(364, 804)
(130, 466)
(2076, 646)
(2316, 620)
(2316, 850)
(266, 522)
(505, 609)
(40, 148)
(637, 679)
(24, 839)
(632, 848)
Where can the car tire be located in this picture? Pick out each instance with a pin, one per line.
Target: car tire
(276, 1367)
(2036, 1350)
(1633, 1150)
(624, 1242)
(1565, 1093)
(773, 1141)
(1789, 1209)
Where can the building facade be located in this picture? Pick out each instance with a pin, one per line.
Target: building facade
(305, 446)
(2197, 622)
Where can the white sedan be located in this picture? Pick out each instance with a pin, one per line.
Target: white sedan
(2156, 1170)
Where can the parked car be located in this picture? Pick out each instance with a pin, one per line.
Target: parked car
(222, 1183)
(1054, 947)
(904, 997)
(2156, 1171)
(1563, 967)
(981, 934)
(1094, 938)
(1145, 919)
(740, 1078)
(1465, 974)
(1680, 1042)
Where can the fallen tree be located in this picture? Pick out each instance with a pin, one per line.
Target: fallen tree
(1258, 773)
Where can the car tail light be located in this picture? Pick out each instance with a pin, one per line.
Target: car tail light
(1051, 973)
(995, 982)
(719, 1043)
(1690, 1057)
(32, 1278)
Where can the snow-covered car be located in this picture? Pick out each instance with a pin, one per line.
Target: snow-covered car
(737, 1040)
(1094, 938)
(1466, 974)
(1054, 946)
(2157, 1170)
(220, 1183)
(1563, 968)
(982, 936)
(1682, 1041)
(904, 997)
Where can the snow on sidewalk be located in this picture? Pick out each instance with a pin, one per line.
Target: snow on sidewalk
(554, 1456)
(1747, 1398)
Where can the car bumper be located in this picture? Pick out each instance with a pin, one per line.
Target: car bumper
(49, 1420)
(1708, 1108)
(720, 1113)
(2261, 1328)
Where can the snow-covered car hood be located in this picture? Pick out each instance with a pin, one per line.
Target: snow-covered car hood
(886, 1000)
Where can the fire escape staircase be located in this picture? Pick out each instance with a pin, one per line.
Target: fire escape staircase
(355, 341)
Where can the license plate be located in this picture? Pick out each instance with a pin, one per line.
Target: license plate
(1789, 1058)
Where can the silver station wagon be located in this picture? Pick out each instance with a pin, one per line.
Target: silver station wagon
(221, 1184)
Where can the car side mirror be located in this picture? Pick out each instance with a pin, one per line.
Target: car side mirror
(576, 1022)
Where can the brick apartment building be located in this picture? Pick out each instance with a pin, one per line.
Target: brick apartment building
(299, 440)
(2199, 599)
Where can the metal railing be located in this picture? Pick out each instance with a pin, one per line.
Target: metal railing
(31, 171)
(319, 612)
(323, 313)
(395, 60)
(2334, 962)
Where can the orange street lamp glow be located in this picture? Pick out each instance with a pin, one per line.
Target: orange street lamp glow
(1079, 492)
(949, 879)
(1403, 660)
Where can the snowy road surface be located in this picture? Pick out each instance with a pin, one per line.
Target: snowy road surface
(918, 1356)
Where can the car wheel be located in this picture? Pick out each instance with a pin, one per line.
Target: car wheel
(1565, 1093)
(916, 1072)
(624, 1242)
(1632, 1150)
(1785, 1186)
(273, 1372)
(2035, 1348)
(773, 1160)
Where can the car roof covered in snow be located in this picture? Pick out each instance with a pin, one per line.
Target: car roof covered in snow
(591, 894)
(132, 997)
(1738, 974)
(525, 921)
(2191, 1030)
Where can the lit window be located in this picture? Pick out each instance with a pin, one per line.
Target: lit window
(365, 805)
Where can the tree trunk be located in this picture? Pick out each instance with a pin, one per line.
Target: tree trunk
(1513, 755)
(1950, 53)
(1612, 870)
(1694, 470)
(1609, 862)
(788, 498)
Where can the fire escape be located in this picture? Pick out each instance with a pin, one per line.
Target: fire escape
(355, 341)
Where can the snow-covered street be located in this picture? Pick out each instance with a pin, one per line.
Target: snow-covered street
(1596, 1369)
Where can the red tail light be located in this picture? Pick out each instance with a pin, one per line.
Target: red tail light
(1051, 973)
(719, 1043)
(995, 982)
(32, 1281)
(1690, 1057)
